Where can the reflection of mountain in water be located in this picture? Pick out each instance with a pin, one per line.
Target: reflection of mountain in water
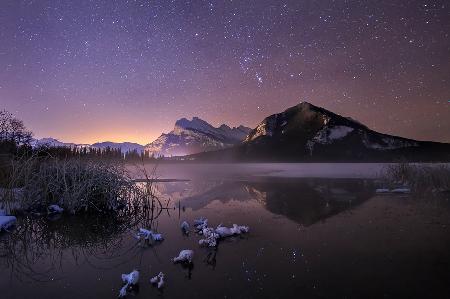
(223, 191)
(177, 191)
(304, 201)
(307, 201)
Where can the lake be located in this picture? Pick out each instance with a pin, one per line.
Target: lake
(316, 231)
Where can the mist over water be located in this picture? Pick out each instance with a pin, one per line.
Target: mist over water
(253, 171)
(316, 231)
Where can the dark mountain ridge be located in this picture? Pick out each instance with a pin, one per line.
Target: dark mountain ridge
(307, 133)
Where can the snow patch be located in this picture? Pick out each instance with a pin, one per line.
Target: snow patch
(328, 135)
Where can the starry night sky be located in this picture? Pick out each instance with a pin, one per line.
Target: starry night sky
(86, 71)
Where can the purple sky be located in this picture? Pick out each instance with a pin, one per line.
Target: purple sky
(86, 71)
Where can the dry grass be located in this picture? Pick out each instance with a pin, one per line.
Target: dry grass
(420, 178)
(75, 185)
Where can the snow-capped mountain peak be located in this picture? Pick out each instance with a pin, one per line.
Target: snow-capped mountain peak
(195, 124)
(309, 129)
(52, 142)
(194, 136)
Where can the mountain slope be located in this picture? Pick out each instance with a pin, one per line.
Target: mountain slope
(195, 136)
(309, 133)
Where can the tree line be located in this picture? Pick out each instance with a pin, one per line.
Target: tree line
(16, 140)
(93, 153)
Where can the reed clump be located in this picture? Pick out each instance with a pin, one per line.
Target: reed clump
(76, 185)
(420, 178)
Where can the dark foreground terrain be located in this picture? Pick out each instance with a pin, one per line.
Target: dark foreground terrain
(309, 238)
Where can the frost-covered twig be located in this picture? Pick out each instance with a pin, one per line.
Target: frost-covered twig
(129, 280)
(158, 280)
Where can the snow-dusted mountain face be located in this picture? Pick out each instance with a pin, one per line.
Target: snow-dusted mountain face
(195, 136)
(309, 133)
(52, 142)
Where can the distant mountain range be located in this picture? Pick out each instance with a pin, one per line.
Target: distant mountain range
(309, 133)
(301, 133)
(52, 142)
(187, 137)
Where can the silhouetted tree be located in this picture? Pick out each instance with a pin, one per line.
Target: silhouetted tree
(13, 130)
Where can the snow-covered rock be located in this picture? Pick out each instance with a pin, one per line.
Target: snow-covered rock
(6, 222)
(157, 237)
(201, 224)
(131, 278)
(185, 256)
(210, 237)
(158, 280)
(224, 232)
(148, 235)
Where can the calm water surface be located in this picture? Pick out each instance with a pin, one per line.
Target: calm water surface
(319, 237)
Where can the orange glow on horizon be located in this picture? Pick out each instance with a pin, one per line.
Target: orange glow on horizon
(102, 135)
